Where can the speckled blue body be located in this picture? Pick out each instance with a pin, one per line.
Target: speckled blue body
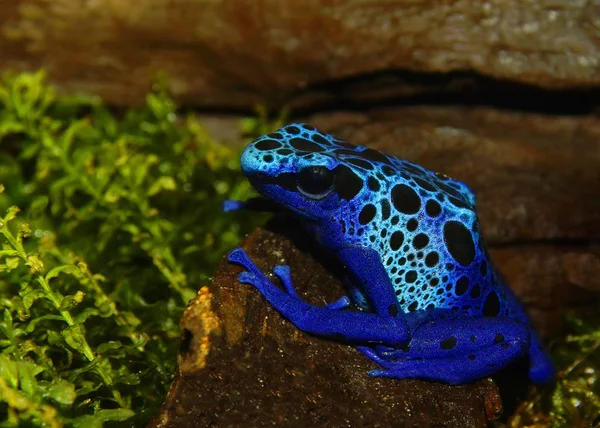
(433, 305)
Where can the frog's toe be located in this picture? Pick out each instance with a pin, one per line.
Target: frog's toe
(342, 303)
(239, 256)
(247, 278)
(541, 369)
(231, 205)
(380, 373)
(375, 356)
(283, 272)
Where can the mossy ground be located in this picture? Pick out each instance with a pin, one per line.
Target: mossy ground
(109, 224)
(118, 225)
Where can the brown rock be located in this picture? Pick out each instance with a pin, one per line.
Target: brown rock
(235, 54)
(244, 365)
(582, 269)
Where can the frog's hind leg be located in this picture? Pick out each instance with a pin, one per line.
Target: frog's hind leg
(457, 351)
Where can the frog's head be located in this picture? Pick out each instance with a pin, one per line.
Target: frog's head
(326, 182)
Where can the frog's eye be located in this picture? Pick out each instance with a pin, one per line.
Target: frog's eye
(315, 182)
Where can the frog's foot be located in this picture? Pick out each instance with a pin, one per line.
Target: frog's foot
(255, 277)
(330, 320)
(455, 351)
(285, 275)
(232, 205)
(374, 355)
(541, 368)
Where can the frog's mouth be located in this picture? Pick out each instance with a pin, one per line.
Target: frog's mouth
(263, 204)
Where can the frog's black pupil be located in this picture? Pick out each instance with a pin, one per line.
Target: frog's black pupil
(315, 181)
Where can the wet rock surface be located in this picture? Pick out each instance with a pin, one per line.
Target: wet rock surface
(235, 54)
(257, 369)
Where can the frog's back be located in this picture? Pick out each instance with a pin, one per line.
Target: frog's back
(421, 223)
(427, 232)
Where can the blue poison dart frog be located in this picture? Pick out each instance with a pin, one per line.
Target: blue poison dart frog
(432, 304)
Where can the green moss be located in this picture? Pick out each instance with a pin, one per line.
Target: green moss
(118, 225)
(574, 401)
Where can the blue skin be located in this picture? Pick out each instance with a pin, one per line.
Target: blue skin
(432, 304)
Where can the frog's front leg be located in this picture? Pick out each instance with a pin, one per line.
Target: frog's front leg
(329, 321)
(455, 351)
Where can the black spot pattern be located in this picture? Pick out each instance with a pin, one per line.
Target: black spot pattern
(305, 145)
(483, 268)
(448, 343)
(420, 241)
(491, 306)
(373, 184)
(459, 242)
(432, 259)
(396, 240)
(412, 225)
(462, 285)
(367, 214)
(375, 156)
(422, 224)
(389, 171)
(360, 163)
(294, 130)
(405, 199)
(411, 276)
(267, 145)
(459, 203)
(425, 184)
(319, 139)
